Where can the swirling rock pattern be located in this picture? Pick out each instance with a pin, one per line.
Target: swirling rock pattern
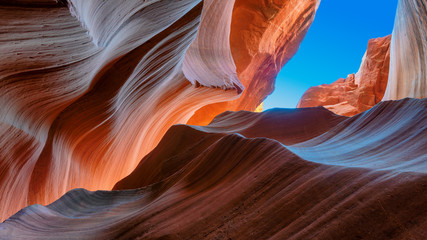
(88, 94)
(264, 36)
(358, 92)
(88, 88)
(80, 96)
(210, 183)
(208, 60)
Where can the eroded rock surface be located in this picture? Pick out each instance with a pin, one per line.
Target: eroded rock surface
(89, 91)
(358, 92)
(88, 88)
(408, 63)
(364, 177)
(264, 36)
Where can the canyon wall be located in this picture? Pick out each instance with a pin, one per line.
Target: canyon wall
(408, 64)
(264, 36)
(403, 55)
(94, 96)
(88, 88)
(358, 92)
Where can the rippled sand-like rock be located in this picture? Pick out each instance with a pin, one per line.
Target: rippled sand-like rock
(364, 177)
(358, 92)
(89, 91)
(88, 88)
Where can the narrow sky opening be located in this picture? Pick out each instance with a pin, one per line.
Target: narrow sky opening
(333, 47)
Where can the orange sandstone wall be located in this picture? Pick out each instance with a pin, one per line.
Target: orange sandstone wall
(264, 36)
(358, 92)
(88, 88)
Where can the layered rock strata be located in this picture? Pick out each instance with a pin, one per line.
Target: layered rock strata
(364, 177)
(264, 36)
(408, 63)
(88, 88)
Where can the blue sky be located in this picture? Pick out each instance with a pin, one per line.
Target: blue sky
(333, 47)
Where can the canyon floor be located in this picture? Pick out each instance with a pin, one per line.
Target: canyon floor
(281, 174)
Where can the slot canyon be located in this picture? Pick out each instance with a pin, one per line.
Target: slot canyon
(142, 119)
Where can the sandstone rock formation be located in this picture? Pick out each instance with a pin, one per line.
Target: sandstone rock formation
(264, 36)
(407, 68)
(358, 92)
(88, 88)
(408, 63)
(211, 183)
(90, 95)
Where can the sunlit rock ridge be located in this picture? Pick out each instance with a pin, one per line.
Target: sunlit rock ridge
(358, 92)
(271, 175)
(114, 125)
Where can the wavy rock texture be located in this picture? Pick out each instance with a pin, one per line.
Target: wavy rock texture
(208, 61)
(81, 102)
(364, 178)
(34, 3)
(264, 36)
(358, 92)
(88, 88)
(408, 64)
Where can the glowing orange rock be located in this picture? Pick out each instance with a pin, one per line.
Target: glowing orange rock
(264, 37)
(88, 88)
(358, 92)
(231, 180)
